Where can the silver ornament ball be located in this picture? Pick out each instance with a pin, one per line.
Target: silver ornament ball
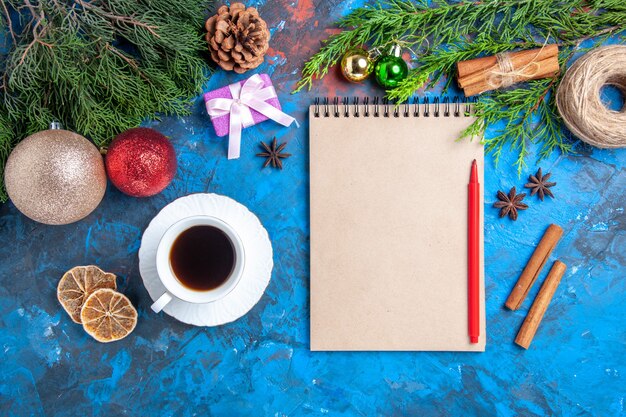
(55, 177)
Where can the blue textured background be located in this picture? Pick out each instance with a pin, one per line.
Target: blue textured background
(261, 364)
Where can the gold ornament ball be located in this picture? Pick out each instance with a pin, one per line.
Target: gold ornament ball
(356, 65)
(55, 177)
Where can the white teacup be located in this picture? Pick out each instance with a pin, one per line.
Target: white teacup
(174, 288)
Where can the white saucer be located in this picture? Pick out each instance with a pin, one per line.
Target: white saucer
(257, 270)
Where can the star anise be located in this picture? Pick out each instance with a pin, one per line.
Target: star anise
(510, 204)
(273, 154)
(539, 185)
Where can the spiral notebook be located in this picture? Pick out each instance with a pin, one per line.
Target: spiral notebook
(389, 225)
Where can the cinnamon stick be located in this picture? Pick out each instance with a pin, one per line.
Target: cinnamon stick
(546, 68)
(478, 75)
(543, 68)
(540, 305)
(519, 59)
(534, 266)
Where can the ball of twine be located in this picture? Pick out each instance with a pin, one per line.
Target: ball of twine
(578, 97)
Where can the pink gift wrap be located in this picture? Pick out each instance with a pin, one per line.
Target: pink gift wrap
(222, 123)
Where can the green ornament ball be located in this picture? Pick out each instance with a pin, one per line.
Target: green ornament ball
(390, 70)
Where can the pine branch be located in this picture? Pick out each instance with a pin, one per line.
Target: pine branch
(450, 31)
(98, 66)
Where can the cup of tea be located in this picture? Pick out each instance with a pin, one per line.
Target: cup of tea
(200, 259)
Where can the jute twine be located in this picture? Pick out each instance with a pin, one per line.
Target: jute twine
(507, 75)
(578, 97)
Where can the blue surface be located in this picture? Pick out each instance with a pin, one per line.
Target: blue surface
(261, 365)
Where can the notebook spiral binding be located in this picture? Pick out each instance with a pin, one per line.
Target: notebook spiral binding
(324, 108)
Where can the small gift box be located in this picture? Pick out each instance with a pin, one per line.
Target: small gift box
(244, 104)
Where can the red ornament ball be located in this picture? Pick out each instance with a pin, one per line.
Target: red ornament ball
(141, 162)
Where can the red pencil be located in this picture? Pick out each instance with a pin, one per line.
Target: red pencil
(473, 253)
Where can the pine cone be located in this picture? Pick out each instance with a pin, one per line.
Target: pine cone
(238, 38)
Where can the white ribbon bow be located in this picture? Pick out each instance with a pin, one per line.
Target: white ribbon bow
(250, 95)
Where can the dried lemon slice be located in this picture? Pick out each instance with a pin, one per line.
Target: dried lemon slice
(78, 283)
(108, 315)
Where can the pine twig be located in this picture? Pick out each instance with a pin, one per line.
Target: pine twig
(36, 38)
(607, 31)
(128, 60)
(117, 52)
(125, 19)
(543, 95)
(7, 16)
(30, 6)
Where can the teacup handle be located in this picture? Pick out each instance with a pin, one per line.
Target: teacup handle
(161, 302)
